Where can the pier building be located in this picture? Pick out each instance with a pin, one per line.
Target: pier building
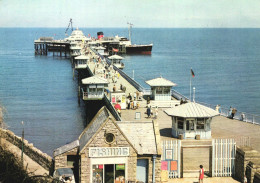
(93, 88)
(113, 151)
(81, 62)
(116, 61)
(191, 121)
(160, 88)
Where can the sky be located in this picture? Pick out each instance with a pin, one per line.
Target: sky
(141, 13)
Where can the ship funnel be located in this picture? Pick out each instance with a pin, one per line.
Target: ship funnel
(100, 35)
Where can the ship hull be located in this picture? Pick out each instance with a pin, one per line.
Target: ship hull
(139, 49)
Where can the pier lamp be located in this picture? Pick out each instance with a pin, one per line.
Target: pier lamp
(22, 142)
(194, 94)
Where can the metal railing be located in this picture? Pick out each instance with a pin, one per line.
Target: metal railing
(242, 116)
(111, 108)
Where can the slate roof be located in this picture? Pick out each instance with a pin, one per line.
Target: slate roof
(141, 135)
(66, 148)
(160, 82)
(191, 109)
(94, 80)
(115, 57)
(93, 127)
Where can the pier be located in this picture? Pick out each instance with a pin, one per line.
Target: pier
(44, 45)
(103, 84)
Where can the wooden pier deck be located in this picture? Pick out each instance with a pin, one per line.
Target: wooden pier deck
(222, 127)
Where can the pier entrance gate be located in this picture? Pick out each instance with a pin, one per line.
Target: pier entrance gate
(181, 158)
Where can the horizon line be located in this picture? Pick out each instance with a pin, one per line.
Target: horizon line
(144, 27)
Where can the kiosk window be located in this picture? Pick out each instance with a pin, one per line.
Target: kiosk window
(180, 123)
(200, 124)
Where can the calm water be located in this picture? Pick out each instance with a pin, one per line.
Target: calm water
(40, 91)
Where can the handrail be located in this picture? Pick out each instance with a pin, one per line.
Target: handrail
(242, 116)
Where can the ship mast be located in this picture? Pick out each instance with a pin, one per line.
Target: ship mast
(70, 25)
(129, 30)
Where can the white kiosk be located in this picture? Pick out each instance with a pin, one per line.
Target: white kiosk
(191, 120)
(160, 88)
(81, 62)
(93, 88)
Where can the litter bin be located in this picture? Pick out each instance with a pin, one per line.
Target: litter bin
(181, 136)
(197, 137)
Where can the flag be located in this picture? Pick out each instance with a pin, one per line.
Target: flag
(192, 73)
(115, 50)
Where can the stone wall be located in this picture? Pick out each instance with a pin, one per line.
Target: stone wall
(251, 169)
(35, 154)
(245, 155)
(61, 160)
(256, 177)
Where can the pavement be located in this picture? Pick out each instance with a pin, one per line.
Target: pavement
(206, 180)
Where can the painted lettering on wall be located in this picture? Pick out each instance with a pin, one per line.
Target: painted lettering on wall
(108, 151)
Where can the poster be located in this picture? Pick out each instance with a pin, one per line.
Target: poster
(168, 154)
(164, 165)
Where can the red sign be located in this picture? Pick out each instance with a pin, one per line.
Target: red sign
(164, 165)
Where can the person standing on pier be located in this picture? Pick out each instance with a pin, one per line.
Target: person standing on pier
(201, 174)
(148, 111)
(233, 112)
(230, 112)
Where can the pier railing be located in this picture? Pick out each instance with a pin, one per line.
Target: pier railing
(242, 116)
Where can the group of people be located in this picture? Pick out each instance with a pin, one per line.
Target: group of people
(183, 101)
(131, 102)
(232, 112)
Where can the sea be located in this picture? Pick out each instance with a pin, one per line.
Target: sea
(41, 91)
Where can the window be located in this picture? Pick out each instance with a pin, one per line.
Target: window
(159, 90)
(189, 124)
(166, 90)
(71, 160)
(110, 138)
(180, 123)
(200, 123)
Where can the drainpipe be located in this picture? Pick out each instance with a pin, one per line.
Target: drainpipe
(154, 158)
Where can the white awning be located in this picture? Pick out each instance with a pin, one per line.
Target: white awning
(115, 57)
(94, 80)
(191, 109)
(82, 57)
(160, 82)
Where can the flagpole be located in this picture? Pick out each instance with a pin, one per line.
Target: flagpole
(190, 88)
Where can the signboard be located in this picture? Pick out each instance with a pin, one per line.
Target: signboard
(168, 154)
(174, 165)
(120, 167)
(164, 165)
(119, 97)
(137, 115)
(108, 151)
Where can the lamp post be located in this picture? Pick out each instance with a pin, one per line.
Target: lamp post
(22, 142)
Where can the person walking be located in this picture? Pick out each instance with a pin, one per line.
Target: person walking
(148, 111)
(201, 174)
